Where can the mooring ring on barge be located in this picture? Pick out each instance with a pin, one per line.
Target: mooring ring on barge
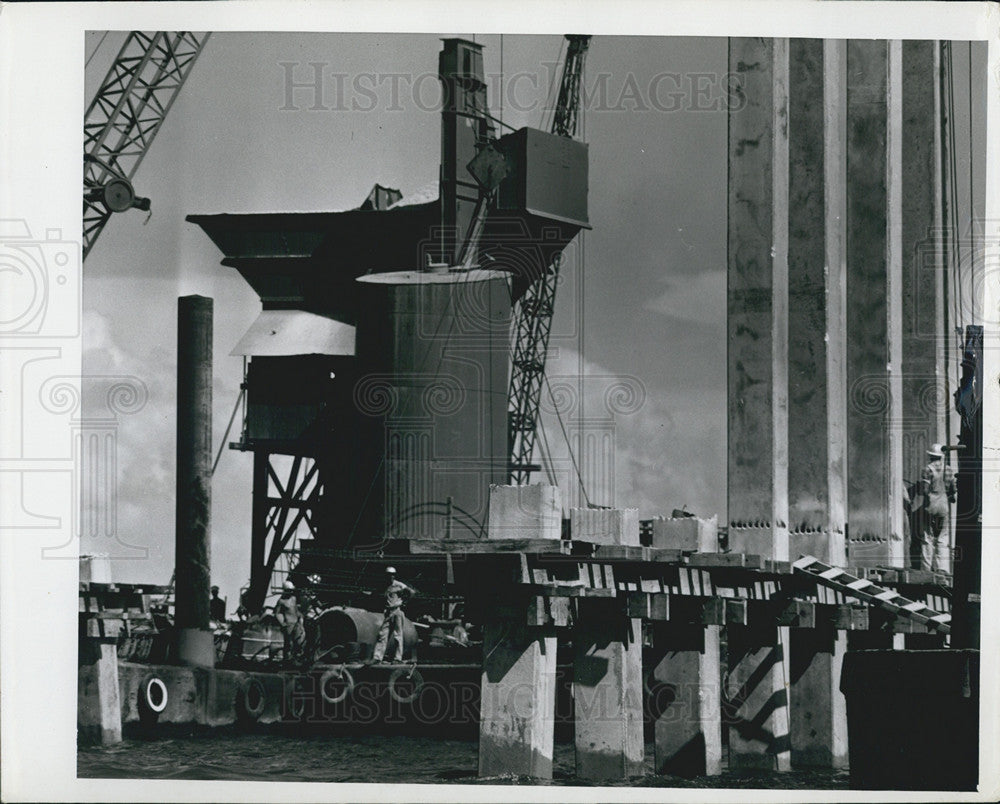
(153, 694)
(251, 699)
(343, 684)
(412, 675)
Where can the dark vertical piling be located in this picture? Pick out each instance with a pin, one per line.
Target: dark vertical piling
(194, 481)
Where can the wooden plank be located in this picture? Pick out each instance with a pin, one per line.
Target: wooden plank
(735, 611)
(560, 611)
(713, 611)
(798, 614)
(619, 551)
(499, 568)
(845, 617)
(659, 606)
(565, 590)
(649, 606)
(743, 560)
(637, 604)
(90, 588)
(480, 546)
(663, 555)
(777, 567)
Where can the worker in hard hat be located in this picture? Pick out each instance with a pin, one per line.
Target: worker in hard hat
(396, 592)
(937, 484)
(289, 617)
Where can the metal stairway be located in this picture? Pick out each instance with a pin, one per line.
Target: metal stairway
(867, 592)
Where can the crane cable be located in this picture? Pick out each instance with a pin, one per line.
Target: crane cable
(551, 97)
(232, 417)
(957, 298)
(562, 426)
(972, 205)
(94, 51)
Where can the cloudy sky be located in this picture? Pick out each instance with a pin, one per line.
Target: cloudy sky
(643, 298)
(237, 139)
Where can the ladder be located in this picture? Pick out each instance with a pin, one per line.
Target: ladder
(867, 592)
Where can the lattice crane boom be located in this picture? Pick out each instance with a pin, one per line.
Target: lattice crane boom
(533, 314)
(124, 118)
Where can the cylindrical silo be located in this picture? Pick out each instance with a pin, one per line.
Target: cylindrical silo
(432, 355)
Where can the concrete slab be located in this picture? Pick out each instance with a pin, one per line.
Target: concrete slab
(525, 512)
(605, 525)
(607, 692)
(686, 533)
(684, 688)
(517, 701)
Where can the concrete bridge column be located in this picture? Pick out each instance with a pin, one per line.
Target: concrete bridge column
(685, 685)
(817, 416)
(758, 384)
(874, 302)
(757, 293)
(925, 399)
(817, 277)
(607, 691)
(517, 709)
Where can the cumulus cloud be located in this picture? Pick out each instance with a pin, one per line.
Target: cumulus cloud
(643, 446)
(128, 478)
(698, 297)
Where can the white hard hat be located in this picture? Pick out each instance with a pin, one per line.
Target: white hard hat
(935, 451)
(288, 586)
(391, 570)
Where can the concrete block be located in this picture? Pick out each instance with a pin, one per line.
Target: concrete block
(95, 568)
(684, 688)
(687, 533)
(607, 691)
(605, 525)
(525, 512)
(517, 701)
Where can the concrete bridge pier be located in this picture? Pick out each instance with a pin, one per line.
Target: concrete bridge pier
(817, 356)
(517, 709)
(757, 698)
(607, 691)
(818, 708)
(758, 405)
(99, 712)
(685, 686)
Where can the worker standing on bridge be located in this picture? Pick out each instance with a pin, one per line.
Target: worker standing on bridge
(287, 613)
(392, 621)
(937, 484)
(217, 606)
